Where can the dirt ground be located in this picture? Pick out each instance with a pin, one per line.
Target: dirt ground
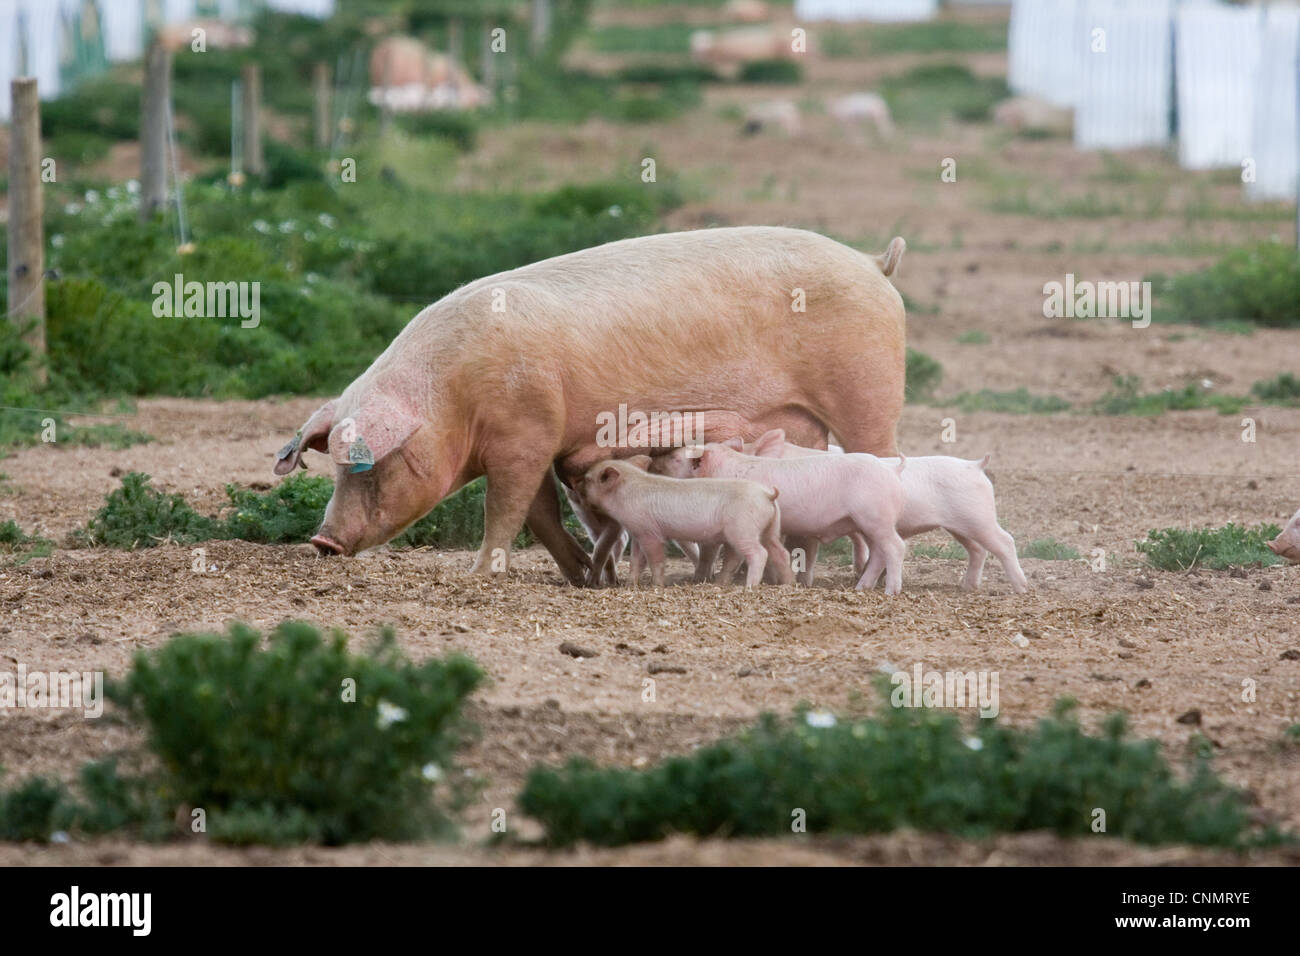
(1158, 645)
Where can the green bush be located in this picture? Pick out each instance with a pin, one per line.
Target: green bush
(1232, 546)
(905, 768)
(33, 810)
(137, 515)
(288, 513)
(459, 128)
(302, 740)
(1049, 549)
(22, 546)
(933, 92)
(1258, 284)
(771, 71)
(923, 376)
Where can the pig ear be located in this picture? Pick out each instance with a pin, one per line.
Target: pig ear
(608, 475)
(735, 444)
(379, 427)
(312, 435)
(770, 444)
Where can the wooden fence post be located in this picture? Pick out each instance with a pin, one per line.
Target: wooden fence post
(320, 81)
(26, 227)
(154, 102)
(252, 82)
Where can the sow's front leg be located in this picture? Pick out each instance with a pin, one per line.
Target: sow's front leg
(547, 524)
(519, 488)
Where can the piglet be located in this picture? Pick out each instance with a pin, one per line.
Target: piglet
(944, 492)
(610, 539)
(1287, 544)
(823, 497)
(742, 514)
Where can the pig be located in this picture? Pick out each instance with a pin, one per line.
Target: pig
(610, 538)
(743, 514)
(1287, 544)
(406, 76)
(509, 376)
(782, 114)
(939, 491)
(823, 497)
(862, 109)
(728, 50)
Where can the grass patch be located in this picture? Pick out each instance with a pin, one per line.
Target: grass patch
(1017, 402)
(1125, 398)
(1283, 390)
(932, 93)
(1258, 285)
(137, 515)
(904, 768)
(923, 376)
(945, 36)
(20, 546)
(1049, 549)
(771, 71)
(973, 337)
(951, 551)
(1232, 546)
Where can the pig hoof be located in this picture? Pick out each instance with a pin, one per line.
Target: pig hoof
(326, 546)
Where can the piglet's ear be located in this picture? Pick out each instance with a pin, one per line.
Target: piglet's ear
(735, 444)
(770, 444)
(608, 475)
(376, 429)
(312, 435)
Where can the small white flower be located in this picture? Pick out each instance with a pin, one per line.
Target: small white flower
(56, 240)
(390, 714)
(431, 772)
(327, 220)
(92, 196)
(262, 226)
(288, 226)
(615, 211)
(974, 743)
(820, 718)
(133, 186)
(72, 208)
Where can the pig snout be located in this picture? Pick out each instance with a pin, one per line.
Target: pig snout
(326, 545)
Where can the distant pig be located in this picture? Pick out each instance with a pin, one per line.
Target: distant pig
(742, 514)
(1287, 544)
(822, 498)
(941, 492)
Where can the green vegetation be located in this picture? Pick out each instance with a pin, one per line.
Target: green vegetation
(973, 337)
(943, 36)
(137, 515)
(1126, 399)
(296, 741)
(20, 545)
(1282, 390)
(905, 768)
(771, 71)
(923, 376)
(1232, 546)
(931, 93)
(1258, 284)
(1049, 549)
